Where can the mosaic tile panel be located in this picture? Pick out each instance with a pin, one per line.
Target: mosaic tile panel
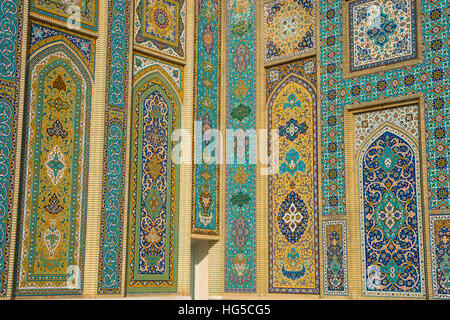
(305, 67)
(85, 12)
(54, 174)
(428, 78)
(11, 20)
(41, 35)
(205, 219)
(440, 255)
(335, 274)
(112, 215)
(240, 246)
(381, 32)
(160, 26)
(406, 118)
(293, 189)
(289, 28)
(154, 185)
(390, 206)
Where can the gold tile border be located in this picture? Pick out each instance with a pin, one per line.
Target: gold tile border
(153, 53)
(184, 241)
(127, 154)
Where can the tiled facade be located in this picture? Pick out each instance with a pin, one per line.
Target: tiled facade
(123, 112)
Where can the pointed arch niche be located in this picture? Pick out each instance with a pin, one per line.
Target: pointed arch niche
(54, 173)
(385, 168)
(154, 181)
(293, 189)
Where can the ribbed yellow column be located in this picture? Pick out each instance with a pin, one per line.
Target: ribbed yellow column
(95, 177)
(184, 242)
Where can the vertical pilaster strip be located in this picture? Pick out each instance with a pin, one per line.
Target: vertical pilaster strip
(262, 228)
(11, 19)
(207, 79)
(112, 215)
(240, 237)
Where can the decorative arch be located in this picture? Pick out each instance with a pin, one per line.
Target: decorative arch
(43, 36)
(293, 189)
(54, 173)
(390, 200)
(154, 185)
(143, 65)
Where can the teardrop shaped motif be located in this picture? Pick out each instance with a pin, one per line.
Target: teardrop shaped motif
(205, 200)
(208, 39)
(241, 58)
(52, 238)
(240, 232)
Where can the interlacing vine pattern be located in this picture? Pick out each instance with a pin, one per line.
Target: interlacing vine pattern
(390, 210)
(11, 21)
(115, 145)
